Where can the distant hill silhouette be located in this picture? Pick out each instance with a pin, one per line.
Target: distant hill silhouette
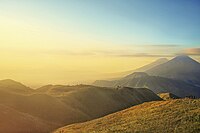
(12, 86)
(181, 68)
(180, 116)
(154, 83)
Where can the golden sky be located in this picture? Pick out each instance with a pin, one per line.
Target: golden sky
(42, 43)
(37, 55)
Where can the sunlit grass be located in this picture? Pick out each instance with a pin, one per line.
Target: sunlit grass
(178, 116)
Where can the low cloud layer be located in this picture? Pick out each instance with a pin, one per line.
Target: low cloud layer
(145, 55)
(163, 45)
(192, 51)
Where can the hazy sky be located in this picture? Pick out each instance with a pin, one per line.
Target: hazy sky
(73, 41)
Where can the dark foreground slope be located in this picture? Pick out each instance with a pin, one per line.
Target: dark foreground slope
(50, 107)
(179, 116)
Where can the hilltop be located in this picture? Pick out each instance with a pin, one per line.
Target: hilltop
(182, 116)
(12, 86)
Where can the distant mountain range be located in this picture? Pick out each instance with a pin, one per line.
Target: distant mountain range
(53, 106)
(180, 76)
(181, 68)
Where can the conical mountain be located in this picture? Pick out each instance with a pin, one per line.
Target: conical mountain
(151, 65)
(181, 68)
(136, 75)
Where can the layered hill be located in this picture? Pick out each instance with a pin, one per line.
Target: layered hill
(36, 108)
(181, 116)
(154, 83)
(53, 106)
(181, 68)
(12, 86)
(98, 101)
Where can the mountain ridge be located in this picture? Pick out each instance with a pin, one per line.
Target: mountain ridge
(183, 71)
(155, 83)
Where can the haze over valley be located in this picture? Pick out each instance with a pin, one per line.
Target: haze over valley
(52, 106)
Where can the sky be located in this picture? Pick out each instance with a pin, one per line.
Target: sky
(79, 41)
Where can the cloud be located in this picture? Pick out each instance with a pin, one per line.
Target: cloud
(168, 50)
(113, 53)
(67, 52)
(191, 51)
(160, 45)
(145, 55)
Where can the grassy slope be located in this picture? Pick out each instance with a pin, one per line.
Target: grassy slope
(178, 116)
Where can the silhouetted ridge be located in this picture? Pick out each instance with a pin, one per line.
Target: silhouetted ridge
(14, 86)
(162, 60)
(184, 58)
(137, 75)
